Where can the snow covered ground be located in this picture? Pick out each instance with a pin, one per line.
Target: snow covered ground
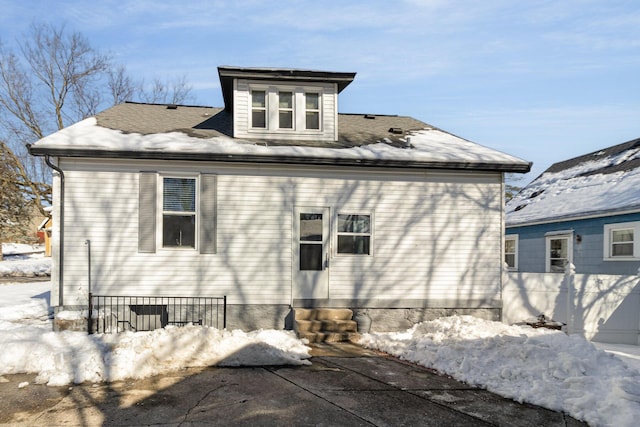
(22, 260)
(60, 358)
(539, 366)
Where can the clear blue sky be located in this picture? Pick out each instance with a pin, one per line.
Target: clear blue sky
(544, 80)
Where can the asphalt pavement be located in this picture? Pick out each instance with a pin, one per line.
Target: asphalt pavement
(344, 386)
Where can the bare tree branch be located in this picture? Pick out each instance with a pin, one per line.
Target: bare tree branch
(56, 78)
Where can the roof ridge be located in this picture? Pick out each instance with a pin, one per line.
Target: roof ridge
(166, 104)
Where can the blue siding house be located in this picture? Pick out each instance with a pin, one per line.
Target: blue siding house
(584, 210)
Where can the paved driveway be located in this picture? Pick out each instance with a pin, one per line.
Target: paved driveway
(344, 386)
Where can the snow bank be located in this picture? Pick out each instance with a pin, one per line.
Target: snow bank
(539, 366)
(62, 358)
(30, 346)
(22, 260)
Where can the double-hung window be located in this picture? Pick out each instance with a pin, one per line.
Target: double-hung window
(285, 110)
(354, 234)
(312, 110)
(259, 109)
(178, 212)
(511, 251)
(622, 241)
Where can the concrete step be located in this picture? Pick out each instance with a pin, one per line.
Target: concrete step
(319, 337)
(325, 324)
(307, 326)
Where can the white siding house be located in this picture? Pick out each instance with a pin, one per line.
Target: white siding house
(308, 208)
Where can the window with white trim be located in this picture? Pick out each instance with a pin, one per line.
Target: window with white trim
(179, 212)
(258, 109)
(622, 241)
(284, 110)
(312, 110)
(511, 252)
(559, 252)
(354, 234)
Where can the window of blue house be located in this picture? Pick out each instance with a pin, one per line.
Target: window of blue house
(622, 241)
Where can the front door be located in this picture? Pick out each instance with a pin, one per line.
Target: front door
(311, 253)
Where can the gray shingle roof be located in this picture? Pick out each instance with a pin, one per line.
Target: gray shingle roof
(206, 122)
(169, 132)
(601, 183)
(606, 168)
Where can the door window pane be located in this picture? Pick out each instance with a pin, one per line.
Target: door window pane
(311, 227)
(311, 256)
(558, 254)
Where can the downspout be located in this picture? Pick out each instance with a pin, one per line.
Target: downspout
(47, 160)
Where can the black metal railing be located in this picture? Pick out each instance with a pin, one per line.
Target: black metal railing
(113, 314)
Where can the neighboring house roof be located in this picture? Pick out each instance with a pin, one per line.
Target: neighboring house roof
(601, 183)
(152, 131)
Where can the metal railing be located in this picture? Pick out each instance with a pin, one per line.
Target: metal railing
(113, 314)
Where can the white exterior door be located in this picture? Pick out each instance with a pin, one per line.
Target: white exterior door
(311, 253)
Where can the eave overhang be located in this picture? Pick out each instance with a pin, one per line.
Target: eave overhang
(633, 209)
(228, 74)
(280, 159)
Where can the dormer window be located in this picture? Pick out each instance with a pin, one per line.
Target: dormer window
(312, 110)
(285, 110)
(258, 109)
(283, 104)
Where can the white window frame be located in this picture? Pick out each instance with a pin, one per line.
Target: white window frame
(291, 109)
(317, 111)
(272, 109)
(566, 235)
(338, 233)
(513, 237)
(161, 212)
(608, 243)
(252, 108)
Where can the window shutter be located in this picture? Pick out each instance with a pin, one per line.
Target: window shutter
(147, 212)
(208, 220)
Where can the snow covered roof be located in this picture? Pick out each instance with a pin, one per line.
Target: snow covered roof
(596, 184)
(153, 131)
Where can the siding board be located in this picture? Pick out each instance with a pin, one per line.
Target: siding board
(434, 235)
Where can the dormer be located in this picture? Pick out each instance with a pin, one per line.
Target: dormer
(283, 104)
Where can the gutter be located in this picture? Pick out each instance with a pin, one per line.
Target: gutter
(575, 217)
(248, 158)
(47, 160)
